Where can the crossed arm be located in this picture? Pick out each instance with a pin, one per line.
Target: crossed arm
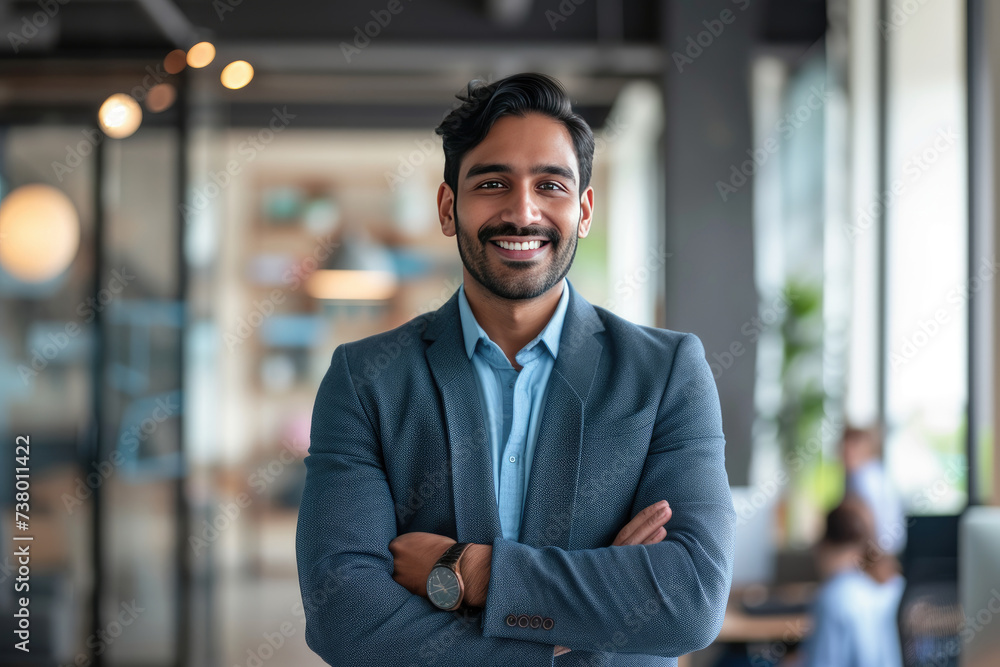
(414, 555)
(357, 612)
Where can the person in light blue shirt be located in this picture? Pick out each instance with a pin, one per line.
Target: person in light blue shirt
(512, 403)
(854, 616)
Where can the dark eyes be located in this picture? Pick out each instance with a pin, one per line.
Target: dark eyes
(483, 186)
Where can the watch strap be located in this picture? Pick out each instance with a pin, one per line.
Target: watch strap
(451, 557)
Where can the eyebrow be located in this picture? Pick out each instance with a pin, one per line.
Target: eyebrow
(498, 168)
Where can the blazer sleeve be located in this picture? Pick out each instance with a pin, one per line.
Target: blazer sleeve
(664, 599)
(356, 613)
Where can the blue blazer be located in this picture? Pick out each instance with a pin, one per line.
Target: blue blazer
(399, 444)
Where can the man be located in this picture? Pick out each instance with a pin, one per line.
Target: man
(866, 478)
(487, 484)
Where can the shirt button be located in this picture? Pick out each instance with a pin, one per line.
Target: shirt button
(510, 385)
(512, 459)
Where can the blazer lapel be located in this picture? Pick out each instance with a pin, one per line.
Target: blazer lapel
(477, 517)
(551, 494)
(551, 491)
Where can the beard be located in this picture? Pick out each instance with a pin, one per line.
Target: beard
(517, 279)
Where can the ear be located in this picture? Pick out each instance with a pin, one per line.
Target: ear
(586, 211)
(446, 206)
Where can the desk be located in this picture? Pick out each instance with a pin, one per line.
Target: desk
(782, 630)
(739, 626)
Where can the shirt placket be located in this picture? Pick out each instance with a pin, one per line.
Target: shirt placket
(512, 469)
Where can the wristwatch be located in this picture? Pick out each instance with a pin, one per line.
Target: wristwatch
(445, 588)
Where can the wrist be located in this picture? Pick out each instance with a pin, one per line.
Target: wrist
(475, 568)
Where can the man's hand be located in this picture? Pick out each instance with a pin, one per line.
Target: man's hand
(413, 557)
(645, 528)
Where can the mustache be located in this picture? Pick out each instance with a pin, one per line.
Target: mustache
(486, 233)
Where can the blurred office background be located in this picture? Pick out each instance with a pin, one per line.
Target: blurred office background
(809, 186)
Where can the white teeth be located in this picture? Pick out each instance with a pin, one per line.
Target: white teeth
(527, 245)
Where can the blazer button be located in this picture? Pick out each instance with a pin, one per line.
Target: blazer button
(522, 621)
(511, 620)
(547, 623)
(535, 622)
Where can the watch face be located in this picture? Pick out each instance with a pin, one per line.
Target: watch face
(442, 587)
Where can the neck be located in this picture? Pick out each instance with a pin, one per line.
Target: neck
(834, 560)
(511, 323)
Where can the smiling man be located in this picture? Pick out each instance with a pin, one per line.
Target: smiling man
(498, 493)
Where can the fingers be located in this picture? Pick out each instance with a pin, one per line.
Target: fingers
(658, 536)
(559, 650)
(645, 525)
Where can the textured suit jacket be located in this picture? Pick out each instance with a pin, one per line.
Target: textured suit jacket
(399, 444)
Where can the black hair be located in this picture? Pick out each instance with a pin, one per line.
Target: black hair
(849, 523)
(483, 104)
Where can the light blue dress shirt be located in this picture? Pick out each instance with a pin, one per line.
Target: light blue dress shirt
(512, 403)
(854, 622)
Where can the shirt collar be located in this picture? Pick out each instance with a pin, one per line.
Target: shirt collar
(550, 335)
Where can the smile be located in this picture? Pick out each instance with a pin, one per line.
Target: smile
(520, 250)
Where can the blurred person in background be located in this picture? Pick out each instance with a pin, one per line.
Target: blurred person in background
(855, 610)
(866, 479)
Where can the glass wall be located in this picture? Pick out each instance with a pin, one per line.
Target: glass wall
(928, 290)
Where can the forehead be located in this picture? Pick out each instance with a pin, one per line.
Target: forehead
(525, 141)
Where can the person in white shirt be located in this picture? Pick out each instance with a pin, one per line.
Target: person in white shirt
(866, 478)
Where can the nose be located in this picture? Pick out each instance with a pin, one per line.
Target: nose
(521, 208)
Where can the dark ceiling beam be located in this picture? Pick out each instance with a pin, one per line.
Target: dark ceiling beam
(500, 58)
(171, 21)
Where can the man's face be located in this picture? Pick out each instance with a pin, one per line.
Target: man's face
(519, 185)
